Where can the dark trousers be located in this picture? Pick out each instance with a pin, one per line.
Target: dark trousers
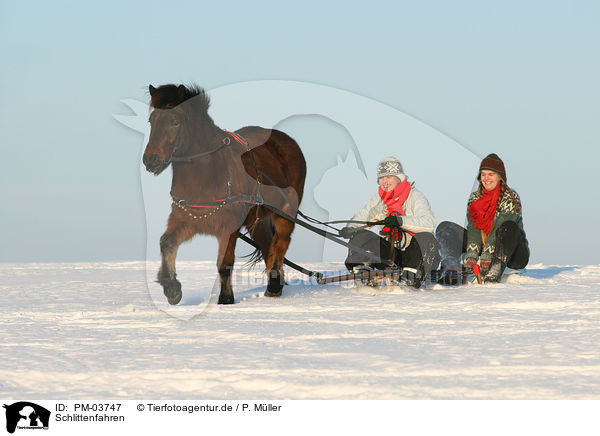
(421, 254)
(511, 245)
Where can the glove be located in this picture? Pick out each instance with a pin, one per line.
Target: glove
(485, 266)
(392, 221)
(346, 232)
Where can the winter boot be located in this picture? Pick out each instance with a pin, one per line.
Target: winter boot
(495, 272)
(362, 273)
(368, 241)
(413, 277)
(506, 242)
(450, 237)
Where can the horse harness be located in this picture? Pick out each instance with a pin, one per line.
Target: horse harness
(257, 200)
(229, 199)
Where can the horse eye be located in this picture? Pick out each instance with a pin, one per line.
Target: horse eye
(175, 122)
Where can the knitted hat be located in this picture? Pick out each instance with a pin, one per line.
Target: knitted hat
(494, 163)
(390, 166)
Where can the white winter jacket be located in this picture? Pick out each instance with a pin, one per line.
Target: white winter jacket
(419, 217)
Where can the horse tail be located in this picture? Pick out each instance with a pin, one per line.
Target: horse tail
(262, 233)
(253, 258)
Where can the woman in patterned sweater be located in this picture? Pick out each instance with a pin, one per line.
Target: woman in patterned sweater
(494, 236)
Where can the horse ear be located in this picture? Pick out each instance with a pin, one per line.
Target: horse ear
(152, 90)
(181, 90)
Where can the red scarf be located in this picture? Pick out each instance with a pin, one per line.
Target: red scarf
(394, 200)
(483, 210)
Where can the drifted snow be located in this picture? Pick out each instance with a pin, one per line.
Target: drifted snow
(92, 330)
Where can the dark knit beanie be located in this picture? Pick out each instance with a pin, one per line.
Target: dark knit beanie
(494, 163)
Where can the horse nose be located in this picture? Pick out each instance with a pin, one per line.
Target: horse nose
(151, 161)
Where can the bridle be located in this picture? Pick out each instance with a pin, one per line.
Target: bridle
(187, 159)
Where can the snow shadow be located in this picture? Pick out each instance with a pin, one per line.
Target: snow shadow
(547, 272)
(196, 297)
(288, 292)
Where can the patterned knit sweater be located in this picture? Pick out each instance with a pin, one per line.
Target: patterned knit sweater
(508, 209)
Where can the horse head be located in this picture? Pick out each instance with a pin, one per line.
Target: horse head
(166, 122)
(165, 138)
(170, 123)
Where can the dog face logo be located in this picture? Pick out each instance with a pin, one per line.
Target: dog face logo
(26, 415)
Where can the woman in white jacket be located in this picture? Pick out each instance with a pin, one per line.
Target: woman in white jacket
(400, 206)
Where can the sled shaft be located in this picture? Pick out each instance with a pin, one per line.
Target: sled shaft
(359, 275)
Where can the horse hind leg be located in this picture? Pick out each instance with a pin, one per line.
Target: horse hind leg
(279, 245)
(225, 262)
(170, 241)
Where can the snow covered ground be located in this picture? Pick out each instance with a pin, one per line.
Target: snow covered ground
(92, 330)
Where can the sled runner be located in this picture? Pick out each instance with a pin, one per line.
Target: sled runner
(364, 276)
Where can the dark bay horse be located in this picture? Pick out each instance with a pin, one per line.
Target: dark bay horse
(221, 182)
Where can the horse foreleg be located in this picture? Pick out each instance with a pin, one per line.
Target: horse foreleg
(170, 241)
(225, 265)
(277, 250)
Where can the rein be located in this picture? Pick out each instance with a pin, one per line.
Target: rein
(314, 229)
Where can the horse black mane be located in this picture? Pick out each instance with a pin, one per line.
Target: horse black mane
(169, 96)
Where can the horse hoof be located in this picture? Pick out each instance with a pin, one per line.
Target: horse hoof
(173, 292)
(226, 300)
(273, 294)
(275, 284)
(175, 300)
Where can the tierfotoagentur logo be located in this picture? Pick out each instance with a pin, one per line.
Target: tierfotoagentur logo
(342, 136)
(26, 416)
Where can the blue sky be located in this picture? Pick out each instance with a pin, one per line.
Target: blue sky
(515, 78)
